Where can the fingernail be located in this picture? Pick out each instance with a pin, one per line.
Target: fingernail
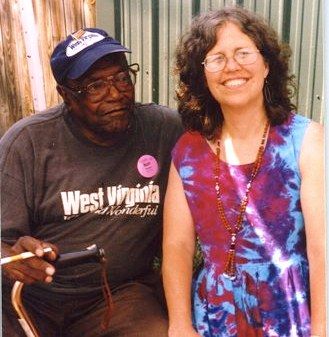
(48, 279)
(50, 271)
(39, 252)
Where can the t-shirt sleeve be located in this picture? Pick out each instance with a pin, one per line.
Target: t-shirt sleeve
(16, 196)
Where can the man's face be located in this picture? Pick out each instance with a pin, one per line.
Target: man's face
(103, 110)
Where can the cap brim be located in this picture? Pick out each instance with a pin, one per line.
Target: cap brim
(87, 59)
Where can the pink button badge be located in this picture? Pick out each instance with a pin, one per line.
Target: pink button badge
(147, 166)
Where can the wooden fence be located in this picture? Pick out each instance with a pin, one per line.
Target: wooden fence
(29, 31)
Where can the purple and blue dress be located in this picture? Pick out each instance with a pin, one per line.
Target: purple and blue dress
(270, 295)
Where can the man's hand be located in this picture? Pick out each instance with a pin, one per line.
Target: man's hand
(32, 269)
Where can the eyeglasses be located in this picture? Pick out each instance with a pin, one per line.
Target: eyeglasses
(123, 81)
(214, 63)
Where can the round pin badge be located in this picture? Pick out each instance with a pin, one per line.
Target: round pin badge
(147, 166)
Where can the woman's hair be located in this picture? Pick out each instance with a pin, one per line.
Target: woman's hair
(199, 110)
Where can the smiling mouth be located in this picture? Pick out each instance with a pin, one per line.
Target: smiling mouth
(235, 83)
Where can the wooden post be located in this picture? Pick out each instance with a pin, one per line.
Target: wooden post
(32, 53)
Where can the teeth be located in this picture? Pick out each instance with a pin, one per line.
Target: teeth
(235, 82)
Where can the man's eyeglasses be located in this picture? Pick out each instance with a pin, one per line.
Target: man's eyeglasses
(123, 81)
(218, 62)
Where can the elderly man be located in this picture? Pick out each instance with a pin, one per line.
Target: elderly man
(92, 170)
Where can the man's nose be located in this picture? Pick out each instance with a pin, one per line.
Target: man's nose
(113, 93)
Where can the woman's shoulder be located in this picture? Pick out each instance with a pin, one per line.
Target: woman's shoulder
(189, 137)
(299, 120)
(314, 136)
(305, 126)
(188, 141)
(312, 149)
(294, 126)
(302, 134)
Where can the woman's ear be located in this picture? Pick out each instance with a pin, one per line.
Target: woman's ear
(205, 80)
(267, 70)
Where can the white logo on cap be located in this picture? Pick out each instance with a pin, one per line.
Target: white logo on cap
(86, 40)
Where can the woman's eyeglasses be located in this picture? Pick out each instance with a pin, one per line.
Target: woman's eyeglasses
(214, 63)
(123, 81)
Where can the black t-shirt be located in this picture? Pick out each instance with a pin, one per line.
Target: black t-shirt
(59, 187)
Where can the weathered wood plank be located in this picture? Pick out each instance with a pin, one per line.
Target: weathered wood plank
(54, 21)
(8, 17)
(4, 105)
(28, 43)
(43, 19)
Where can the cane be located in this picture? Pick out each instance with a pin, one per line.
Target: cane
(92, 253)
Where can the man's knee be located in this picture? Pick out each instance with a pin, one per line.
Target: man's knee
(157, 327)
(138, 313)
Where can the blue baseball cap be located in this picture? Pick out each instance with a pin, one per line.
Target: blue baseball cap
(74, 56)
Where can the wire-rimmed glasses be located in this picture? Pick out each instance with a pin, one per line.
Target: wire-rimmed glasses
(123, 81)
(217, 62)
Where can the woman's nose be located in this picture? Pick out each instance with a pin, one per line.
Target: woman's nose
(231, 64)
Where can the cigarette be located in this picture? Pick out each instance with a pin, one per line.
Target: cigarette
(21, 256)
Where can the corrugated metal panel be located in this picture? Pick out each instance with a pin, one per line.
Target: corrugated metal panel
(306, 40)
(136, 32)
(174, 18)
(152, 29)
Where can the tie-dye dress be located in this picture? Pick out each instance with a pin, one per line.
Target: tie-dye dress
(270, 295)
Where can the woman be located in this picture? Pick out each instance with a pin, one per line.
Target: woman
(247, 179)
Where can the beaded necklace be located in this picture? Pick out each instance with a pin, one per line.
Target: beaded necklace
(230, 266)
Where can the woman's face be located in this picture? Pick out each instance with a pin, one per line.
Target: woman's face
(236, 85)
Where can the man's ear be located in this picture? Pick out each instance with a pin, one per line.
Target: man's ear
(64, 94)
(61, 91)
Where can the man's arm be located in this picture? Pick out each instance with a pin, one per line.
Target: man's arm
(16, 212)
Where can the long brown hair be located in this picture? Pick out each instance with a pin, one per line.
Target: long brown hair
(199, 110)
